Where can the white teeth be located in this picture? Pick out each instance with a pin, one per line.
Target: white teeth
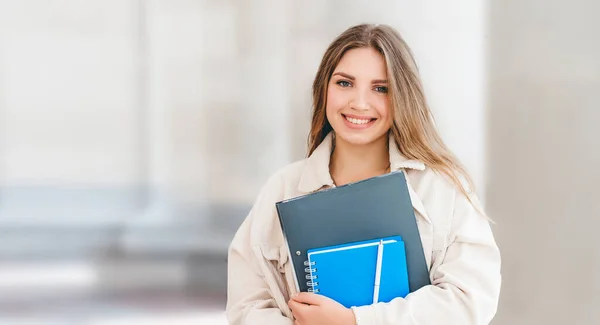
(357, 121)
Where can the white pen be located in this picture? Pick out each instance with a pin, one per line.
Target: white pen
(378, 272)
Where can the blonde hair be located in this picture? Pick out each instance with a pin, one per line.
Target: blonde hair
(413, 128)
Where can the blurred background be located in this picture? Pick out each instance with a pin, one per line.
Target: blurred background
(135, 134)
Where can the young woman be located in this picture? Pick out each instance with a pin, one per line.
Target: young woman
(370, 117)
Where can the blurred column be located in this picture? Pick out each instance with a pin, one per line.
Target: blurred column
(544, 176)
(249, 133)
(246, 103)
(171, 49)
(246, 109)
(3, 29)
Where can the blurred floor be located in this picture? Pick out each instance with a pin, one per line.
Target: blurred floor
(131, 292)
(74, 274)
(151, 307)
(157, 308)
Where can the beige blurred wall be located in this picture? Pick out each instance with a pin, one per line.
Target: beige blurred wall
(544, 153)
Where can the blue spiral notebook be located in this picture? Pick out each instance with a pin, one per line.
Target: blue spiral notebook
(346, 273)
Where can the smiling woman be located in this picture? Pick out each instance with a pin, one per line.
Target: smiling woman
(370, 117)
(358, 109)
(357, 97)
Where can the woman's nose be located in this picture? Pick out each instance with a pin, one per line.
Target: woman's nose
(359, 102)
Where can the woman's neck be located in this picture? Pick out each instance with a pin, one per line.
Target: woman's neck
(351, 163)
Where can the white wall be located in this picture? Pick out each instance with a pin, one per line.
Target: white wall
(70, 101)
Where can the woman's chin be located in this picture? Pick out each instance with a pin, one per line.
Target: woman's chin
(358, 138)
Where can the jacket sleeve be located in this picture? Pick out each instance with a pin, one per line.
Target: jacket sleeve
(249, 298)
(465, 287)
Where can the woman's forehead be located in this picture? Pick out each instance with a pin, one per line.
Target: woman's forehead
(363, 63)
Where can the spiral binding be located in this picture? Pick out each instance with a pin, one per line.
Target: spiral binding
(311, 276)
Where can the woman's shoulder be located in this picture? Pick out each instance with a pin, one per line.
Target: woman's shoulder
(431, 182)
(441, 197)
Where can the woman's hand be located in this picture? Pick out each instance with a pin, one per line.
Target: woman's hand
(312, 309)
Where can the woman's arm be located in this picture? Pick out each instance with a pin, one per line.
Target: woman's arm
(249, 298)
(465, 287)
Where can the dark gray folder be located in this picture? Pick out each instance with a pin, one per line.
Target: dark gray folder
(369, 209)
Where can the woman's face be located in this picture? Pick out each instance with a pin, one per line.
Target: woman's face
(358, 107)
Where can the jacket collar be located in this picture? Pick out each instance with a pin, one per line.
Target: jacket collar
(316, 171)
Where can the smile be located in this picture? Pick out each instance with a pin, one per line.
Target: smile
(359, 121)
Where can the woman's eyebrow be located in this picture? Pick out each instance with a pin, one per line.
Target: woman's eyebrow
(379, 81)
(347, 76)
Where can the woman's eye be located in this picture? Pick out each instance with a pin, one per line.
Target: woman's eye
(343, 83)
(381, 89)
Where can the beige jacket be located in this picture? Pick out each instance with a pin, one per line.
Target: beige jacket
(459, 246)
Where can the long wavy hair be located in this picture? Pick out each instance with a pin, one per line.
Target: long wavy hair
(413, 126)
